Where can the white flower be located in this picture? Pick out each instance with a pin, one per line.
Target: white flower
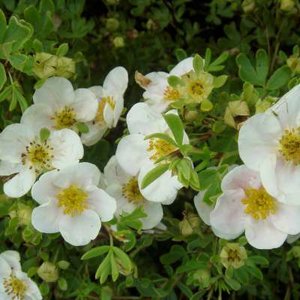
(124, 188)
(246, 206)
(270, 144)
(57, 106)
(71, 203)
(137, 155)
(24, 155)
(110, 105)
(159, 94)
(15, 284)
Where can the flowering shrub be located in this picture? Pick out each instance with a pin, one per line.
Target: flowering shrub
(149, 149)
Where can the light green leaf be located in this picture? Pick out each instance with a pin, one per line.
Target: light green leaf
(97, 251)
(83, 128)
(262, 65)
(219, 81)
(161, 136)
(44, 134)
(246, 70)
(174, 81)
(62, 50)
(176, 126)
(154, 174)
(279, 78)
(114, 268)
(198, 63)
(2, 25)
(2, 76)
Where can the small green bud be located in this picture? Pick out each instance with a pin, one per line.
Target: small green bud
(65, 67)
(190, 222)
(236, 113)
(248, 6)
(263, 105)
(287, 5)
(44, 65)
(112, 24)
(118, 42)
(48, 272)
(294, 64)
(233, 255)
(203, 277)
(22, 212)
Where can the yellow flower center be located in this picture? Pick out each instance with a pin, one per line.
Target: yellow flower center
(101, 105)
(289, 146)
(159, 148)
(39, 155)
(196, 88)
(73, 200)
(15, 288)
(64, 118)
(131, 191)
(171, 94)
(259, 204)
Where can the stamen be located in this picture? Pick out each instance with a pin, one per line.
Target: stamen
(131, 191)
(289, 146)
(101, 105)
(64, 118)
(171, 94)
(15, 288)
(159, 148)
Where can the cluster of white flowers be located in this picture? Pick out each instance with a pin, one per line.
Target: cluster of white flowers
(262, 197)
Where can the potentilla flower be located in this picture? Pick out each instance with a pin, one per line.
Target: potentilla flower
(72, 204)
(160, 95)
(110, 105)
(125, 189)
(15, 284)
(137, 156)
(245, 205)
(57, 106)
(270, 144)
(24, 156)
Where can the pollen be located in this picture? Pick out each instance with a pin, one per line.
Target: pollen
(259, 204)
(171, 94)
(159, 148)
(289, 146)
(131, 191)
(73, 200)
(15, 288)
(64, 118)
(39, 155)
(101, 105)
(196, 88)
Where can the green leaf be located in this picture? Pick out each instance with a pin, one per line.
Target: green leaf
(234, 284)
(154, 174)
(207, 58)
(124, 259)
(198, 64)
(194, 181)
(2, 76)
(19, 32)
(44, 134)
(256, 272)
(246, 70)
(6, 93)
(97, 251)
(279, 78)
(104, 269)
(174, 81)
(180, 54)
(82, 128)
(219, 81)
(176, 126)
(184, 169)
(2, 25)
(62, 50)
(114, 268)
(262, 65)
(62, 284)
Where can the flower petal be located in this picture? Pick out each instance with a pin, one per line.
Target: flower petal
(258, 135)
(203, 209)
(46, 218)
(154, 213)
(56, 91)
(240, 178)
(5, 269)
(142, 119)
(183, 67)
(94, 134)
(228, 214)
(98, 91)
(12, 258)
(113, 173)
(103, 204)
(116, 82)
(8, 168)
(67, 148)
(132, 152)
(20, 184)
(85, 105)
(263, 234)
(287, 218)
(80, 230)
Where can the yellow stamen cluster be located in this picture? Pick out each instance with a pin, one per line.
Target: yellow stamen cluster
(15, 288)
(259, 204)
(73, 200)
(39, 155)
(171, 94)
(159, 148)
(289, 146)
(196, 88)
(131, 191)
(101, 105)
(64, 118)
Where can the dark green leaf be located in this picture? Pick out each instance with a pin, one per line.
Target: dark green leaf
(176, 126)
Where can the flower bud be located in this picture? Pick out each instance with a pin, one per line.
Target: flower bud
(203, 277)
(22, 212)
(190, 222)
(236, 113)
(263, 105)
(112, 24)
(233, 255)
(294, 64)
(48, 272)
(65, 67)
(118, 42)
(248, 6)
(44, 65)
(287, 5)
